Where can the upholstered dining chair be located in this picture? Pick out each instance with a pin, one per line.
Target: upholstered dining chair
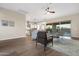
(43, 39)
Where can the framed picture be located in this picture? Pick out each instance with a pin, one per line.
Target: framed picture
(4, 22)
(11, 23)
(7, 23)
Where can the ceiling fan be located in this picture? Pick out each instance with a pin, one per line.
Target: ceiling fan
(48, 10)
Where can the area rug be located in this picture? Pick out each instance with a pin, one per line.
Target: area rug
(66, 46)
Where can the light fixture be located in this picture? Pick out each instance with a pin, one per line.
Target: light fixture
(48, 10)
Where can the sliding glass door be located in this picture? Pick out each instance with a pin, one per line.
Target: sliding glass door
(60, 28)
(64, 29)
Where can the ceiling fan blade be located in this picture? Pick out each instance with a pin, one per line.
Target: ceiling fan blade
(52, 11)
(47, 9)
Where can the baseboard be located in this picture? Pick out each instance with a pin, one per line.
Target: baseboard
(16, 38)
(11, 38)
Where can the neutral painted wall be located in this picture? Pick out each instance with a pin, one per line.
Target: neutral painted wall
(74, 23)
(7, 32)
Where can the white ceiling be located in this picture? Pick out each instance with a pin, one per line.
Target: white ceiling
(36, 11)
